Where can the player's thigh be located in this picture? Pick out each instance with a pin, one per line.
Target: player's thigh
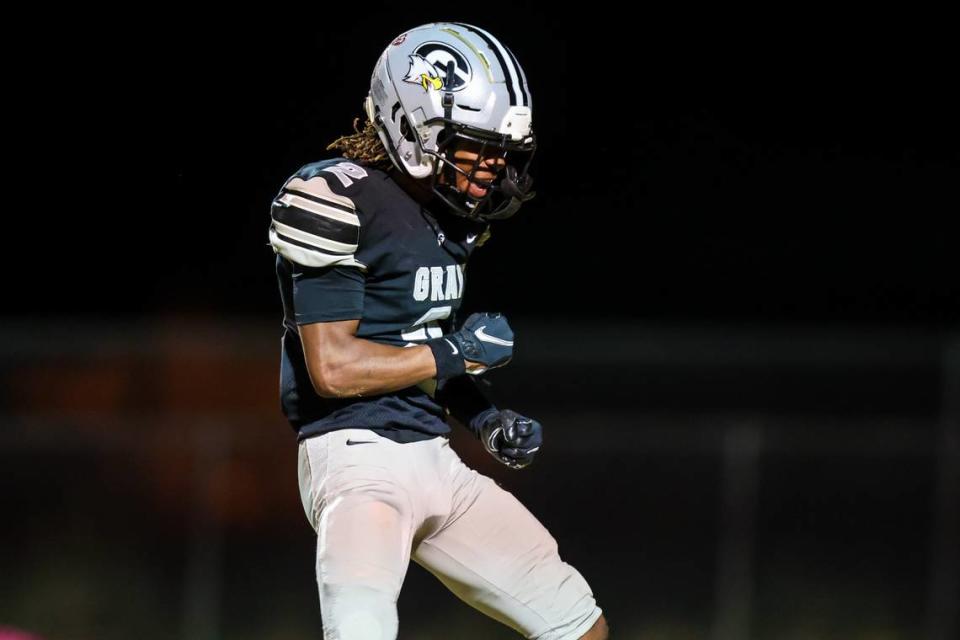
(361, 512)
(354, 497)
(500, 559)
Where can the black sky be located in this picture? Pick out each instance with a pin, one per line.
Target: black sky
(752, 168)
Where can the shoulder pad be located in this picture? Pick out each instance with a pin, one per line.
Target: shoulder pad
(314, 219)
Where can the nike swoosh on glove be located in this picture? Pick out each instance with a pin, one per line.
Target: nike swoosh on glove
(485, 338)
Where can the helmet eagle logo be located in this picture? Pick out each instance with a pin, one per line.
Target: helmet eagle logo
(423, 73)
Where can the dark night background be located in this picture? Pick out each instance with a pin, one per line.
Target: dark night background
(737, 284)
(787, 172)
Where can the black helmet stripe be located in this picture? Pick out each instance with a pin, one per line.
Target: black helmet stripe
(508, 70)
(523, 78)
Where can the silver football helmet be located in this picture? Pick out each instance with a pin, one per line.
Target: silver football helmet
(448, 85)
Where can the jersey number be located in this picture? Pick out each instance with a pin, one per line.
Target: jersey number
(345, 171)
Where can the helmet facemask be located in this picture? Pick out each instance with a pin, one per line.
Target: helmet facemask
(507, 160)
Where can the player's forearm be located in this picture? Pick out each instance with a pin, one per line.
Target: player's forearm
(363, 367)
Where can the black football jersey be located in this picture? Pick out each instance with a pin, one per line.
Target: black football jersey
(350, 243)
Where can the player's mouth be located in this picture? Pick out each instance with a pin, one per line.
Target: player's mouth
(485, 180)
(477, 191)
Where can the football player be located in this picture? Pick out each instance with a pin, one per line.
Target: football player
(371, 255)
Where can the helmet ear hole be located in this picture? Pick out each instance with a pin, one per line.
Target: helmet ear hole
(406, 130)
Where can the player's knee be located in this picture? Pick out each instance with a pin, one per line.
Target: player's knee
(599, 630)
(358, 613)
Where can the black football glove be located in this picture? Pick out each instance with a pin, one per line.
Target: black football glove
(485, 338)
(509, 437)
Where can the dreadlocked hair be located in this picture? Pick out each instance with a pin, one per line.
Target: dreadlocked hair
(363, 147)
